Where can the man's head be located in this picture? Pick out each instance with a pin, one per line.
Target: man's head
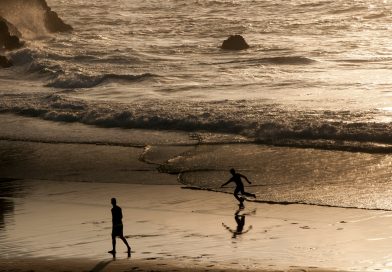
(232, 171)
(113, 201)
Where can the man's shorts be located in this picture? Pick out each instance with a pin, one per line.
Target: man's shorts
(117, 230)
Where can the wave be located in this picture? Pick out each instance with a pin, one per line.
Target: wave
(369, 60)
(23, 56)
(89, 81)
(351, 9)
(105, 143)
(377, 15)
(316, 4)
(294, 60)
(283, 202)
(284, 60)
(56, 69)
(263, 123)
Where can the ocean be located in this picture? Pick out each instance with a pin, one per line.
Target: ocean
(305, 112)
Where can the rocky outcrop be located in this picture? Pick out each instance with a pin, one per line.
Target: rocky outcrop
(53, 23)
(17, 11)
(11, 28)
(4, 62)
(235, 42)
(8, 41)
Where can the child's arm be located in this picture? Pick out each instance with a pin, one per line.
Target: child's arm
(245, 178)
(226, 183)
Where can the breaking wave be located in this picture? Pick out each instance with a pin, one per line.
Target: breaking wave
(263, 123)
(283, 60)
(86, 81)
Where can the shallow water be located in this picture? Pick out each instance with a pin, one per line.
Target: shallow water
(316, 77)
(75, 152)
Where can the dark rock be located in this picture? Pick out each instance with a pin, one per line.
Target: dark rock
(12, 43)
(235, 42)
(22, 11)
(11, 28)
(4, 62)
(43, 4)
(53, 23)
(8, 41)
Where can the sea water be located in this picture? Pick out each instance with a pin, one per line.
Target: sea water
(305, 112)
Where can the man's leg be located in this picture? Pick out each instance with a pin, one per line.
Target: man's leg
(113, 251)
(126, 243)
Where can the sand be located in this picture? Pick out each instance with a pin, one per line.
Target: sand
(66, 227)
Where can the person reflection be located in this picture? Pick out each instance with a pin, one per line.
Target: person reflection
(240, 220)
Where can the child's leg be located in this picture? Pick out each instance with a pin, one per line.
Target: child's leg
(249, 194)
(240, 199)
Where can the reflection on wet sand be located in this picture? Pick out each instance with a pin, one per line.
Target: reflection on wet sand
(9, 188)
(6, 208)
(240, 220)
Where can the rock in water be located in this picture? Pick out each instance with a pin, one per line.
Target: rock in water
(11, 28)
(4, 62)
(18, 12)
(8, 41)
(12, 43)
(235, 42)
(53, 23)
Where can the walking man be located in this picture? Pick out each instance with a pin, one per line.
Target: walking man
(117, 229)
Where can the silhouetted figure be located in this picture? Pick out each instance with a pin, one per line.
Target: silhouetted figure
(117, 230)
(240, 220)
(239, 189)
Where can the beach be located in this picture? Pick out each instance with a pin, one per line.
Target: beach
(141, 101)
(183, 229)
(55, 216)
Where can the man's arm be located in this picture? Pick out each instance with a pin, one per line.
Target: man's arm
(242, 176)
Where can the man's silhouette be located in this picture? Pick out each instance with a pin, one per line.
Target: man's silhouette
(239, 189)
(117, 229)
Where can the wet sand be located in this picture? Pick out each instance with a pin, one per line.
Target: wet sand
(134, 265)
(168, 226)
